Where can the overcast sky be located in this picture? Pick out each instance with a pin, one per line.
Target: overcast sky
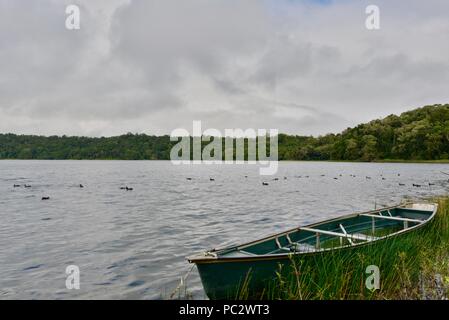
(303, 67)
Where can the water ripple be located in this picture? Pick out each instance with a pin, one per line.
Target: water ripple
(133, 244)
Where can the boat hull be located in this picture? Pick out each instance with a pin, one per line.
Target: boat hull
(225, 280)
(228, 279)
(246, 270)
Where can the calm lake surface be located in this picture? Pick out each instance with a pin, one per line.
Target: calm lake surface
(133, 244)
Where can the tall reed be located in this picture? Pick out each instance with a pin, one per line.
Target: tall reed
(412, 266)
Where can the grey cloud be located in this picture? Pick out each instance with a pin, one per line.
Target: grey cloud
(159, 36)
(152, 66)
(289, 59)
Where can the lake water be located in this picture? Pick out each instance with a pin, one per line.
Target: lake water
(133, 244)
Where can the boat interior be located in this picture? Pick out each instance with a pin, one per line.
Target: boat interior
(346, 231)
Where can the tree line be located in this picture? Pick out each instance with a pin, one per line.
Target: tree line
(420, 134)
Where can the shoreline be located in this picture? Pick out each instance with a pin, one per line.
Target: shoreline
(443, 161)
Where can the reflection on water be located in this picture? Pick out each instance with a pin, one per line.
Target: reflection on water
(133, 244)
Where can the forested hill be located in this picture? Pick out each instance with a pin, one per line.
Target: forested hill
(420, 134)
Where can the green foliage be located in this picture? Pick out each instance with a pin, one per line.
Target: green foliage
(409, 266)
(420, 134)
(126, 147)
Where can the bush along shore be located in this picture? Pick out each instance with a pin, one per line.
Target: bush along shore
(417, 135)
(414, 266)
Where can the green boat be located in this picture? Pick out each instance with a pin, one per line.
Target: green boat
(224, 270)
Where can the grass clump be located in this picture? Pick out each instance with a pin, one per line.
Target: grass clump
(412, 266)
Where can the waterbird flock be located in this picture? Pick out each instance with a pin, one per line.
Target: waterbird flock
(382, 178)
(81, 186)
(264, 183)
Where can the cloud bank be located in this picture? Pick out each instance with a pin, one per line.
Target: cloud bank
(303, 67)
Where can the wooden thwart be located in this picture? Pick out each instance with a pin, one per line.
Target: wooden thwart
(338, 234)
(344, 231)
(392, 218)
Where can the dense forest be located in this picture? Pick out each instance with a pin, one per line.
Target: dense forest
(420, 134)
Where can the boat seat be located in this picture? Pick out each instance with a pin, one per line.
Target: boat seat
(392, 218)
(354, 236)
